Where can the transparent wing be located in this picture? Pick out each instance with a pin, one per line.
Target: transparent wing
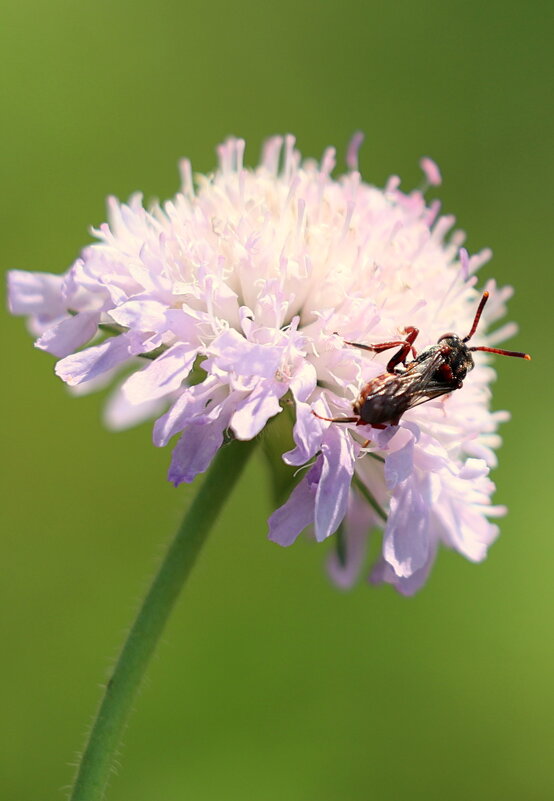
(414, 386)
(424, 386)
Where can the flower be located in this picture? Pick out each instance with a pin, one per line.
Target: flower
(237, 298)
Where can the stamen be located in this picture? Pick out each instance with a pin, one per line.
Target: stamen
(464, 261)
(347, 219)
(300, 215)
(288, 167)
(432, 213)
(432, 172)
(353, 150)
(392, 184)
(328, 161)
(270, 154)
(225, 156)
(186, 177)
(240, 144)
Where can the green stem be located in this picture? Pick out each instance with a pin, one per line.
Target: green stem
(98, 758)
(369, 498)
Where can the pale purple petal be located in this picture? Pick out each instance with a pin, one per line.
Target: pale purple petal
(196, 448)
(254, 411)
(399, 464)
(473, 468)
(119, 414)
(430, 455)
(189, 405)
(308, 433)
(468, 530)
(303, 382)
(409, 585)
(406, 538)
(99, 279)
(463, 507)
(254, 275)
(233, 352)
(184, 325)
(355, 530)
(290, 520)
(392, 438)
(141, 315)
(382, 572)
(95, 384)
(163, 375)
(69, 334)
(337, 450)
(89, 363)
(37, 294)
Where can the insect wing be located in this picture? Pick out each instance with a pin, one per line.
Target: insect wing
(388, 396)
(423, 386)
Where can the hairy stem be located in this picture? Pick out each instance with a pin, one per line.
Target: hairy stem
(98, 758)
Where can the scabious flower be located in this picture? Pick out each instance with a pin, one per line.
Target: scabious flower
(233, 301)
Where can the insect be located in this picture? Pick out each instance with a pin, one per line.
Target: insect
(438, 370)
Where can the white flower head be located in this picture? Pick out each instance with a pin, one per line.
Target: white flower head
(239, 296)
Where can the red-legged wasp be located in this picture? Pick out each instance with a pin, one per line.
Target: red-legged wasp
(438, 370)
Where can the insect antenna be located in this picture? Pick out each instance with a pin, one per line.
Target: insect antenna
(477, 317)
(482, 347)
(503, 352)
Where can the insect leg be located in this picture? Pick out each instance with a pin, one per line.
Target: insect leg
(336, 419)
(447, 376)
(381, 347)
(411, 336)
(407, 346)
(446, 373)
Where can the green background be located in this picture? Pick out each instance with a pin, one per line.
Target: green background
(270, 684)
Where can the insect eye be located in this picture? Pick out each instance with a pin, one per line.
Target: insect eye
(446, 336)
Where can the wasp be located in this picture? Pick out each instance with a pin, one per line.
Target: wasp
(438, 370)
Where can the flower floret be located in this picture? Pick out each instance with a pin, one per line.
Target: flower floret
(239, 297)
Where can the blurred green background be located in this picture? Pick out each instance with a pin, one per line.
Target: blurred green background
(270, 684)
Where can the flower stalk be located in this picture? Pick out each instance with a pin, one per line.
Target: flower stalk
(98, 758)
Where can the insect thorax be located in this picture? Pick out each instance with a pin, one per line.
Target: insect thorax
(456, 355)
